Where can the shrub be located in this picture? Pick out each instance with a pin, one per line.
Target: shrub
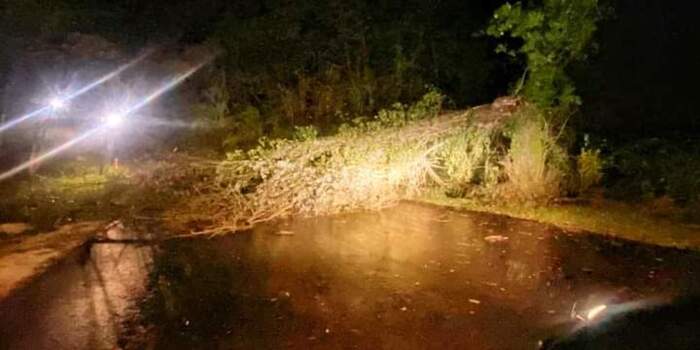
(214, 107)
(398, 115)
(305, 133)
(319, 98)
(369, 165)
(535, 163)
(245, 130)
(589, 165)
(469, 161)
(650, 168)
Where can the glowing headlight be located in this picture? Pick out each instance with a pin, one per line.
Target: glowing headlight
(57, 103)
(114, 120)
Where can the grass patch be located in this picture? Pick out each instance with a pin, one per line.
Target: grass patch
(78, 191)
(605, 217)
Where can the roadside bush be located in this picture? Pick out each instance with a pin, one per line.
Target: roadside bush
(589, 166)
(339, 91)
(245, 129)
(316, 99)
(371, 164)
(219, 126)
(655, 167)
(469, 162)
(214, 106)
(535, 165)
(212, 115)
(305, 133)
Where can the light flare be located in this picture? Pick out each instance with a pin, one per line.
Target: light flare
(111, 120)
(108, 76)
(52, 153)
(114, 120)
(13, 122)
(59, 103)
(154, 121)
(166, 87)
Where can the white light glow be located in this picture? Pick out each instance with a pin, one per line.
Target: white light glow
(61, 103)
(110, 75)
(594, 312)
(175, 81)
(51, 153)
(25, 117)
(114, 120)
(57, 103)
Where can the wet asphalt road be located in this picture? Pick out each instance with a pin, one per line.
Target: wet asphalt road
(409, 277)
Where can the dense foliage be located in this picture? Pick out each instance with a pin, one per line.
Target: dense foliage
(551, 36)
(327, 62)
(656, 167)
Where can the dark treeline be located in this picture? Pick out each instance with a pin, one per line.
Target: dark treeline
(301, 62)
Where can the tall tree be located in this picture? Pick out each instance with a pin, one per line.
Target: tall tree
(550, 35)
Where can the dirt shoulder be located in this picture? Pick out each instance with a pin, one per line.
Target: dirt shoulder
(608, 218)
(27, 257)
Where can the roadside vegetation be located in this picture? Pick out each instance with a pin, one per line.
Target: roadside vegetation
(75, 190)
(288, 126)
(520, 161)
(507, 163)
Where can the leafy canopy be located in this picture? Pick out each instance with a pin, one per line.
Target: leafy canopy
(552, 34)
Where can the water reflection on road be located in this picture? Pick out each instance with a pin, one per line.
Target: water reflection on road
(78, 304)
(409, 277)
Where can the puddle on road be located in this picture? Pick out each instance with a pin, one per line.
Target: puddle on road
(79, 303)
(410, 277)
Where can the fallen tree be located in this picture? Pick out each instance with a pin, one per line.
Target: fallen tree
(366, 165)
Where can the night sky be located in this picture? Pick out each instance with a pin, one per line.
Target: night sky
(644, 78)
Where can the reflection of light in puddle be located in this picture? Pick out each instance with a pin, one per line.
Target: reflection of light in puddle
(117, 276)
(368, 255)
(87, 305)
(594, 312)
